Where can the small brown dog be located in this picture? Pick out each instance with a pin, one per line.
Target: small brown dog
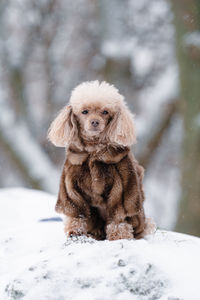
(101, 190)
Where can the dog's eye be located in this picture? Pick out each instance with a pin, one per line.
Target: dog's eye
(85, 112)
(105, 112)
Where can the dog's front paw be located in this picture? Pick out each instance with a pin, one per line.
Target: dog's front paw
(119, 231)
(75, 227)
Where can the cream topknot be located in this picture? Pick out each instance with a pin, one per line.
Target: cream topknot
(95, 92)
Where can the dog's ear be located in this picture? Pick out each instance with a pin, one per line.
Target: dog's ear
(64, 128)
(121, 129)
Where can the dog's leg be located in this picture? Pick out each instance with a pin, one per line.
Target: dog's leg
(116, 225)
(77, 226)
(83, 226)
(92, 226)
(71, 203)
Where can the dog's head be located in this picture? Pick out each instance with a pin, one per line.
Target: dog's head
(95, 110)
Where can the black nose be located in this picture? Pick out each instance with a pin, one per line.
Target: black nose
(95, 123)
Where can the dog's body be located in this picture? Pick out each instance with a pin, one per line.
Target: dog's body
(101, 188)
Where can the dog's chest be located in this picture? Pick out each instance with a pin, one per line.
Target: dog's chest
(96, 179)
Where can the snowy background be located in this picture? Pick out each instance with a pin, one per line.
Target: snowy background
(47, 47)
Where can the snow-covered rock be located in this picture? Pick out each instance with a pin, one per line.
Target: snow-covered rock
(37, 262)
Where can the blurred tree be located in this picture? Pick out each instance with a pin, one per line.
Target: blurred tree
(187, 22)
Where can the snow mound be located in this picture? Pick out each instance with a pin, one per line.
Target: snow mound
(38, 262)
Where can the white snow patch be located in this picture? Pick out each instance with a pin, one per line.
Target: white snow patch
(163, 189)
(117, 49)
(22, 142)
(152, 101)
(143, 60)
(38, 262)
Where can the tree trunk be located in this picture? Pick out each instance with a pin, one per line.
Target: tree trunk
(187, 23)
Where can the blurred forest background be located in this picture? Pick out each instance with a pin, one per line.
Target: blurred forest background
(149, 49)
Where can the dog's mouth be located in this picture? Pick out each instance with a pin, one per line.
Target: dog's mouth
(94, 131)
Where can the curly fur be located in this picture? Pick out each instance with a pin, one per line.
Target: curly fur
(101, 189)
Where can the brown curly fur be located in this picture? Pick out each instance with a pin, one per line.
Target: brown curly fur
(101, 189)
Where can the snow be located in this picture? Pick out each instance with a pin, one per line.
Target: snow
(165, 93)
(28, 150)
(162, 202)
(38, 262)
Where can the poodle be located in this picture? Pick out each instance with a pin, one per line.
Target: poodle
(101, 190)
